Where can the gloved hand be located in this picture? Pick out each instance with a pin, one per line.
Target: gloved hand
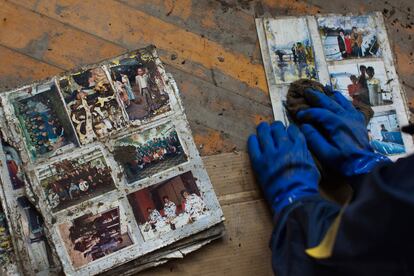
(337, 135)
(283, 164)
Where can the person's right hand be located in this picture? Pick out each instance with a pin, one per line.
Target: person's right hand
(337, 135)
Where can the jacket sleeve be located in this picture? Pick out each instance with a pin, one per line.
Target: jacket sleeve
(378, 222)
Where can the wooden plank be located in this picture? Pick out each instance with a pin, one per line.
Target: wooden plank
(16, 69)
(112, 22)
(51, 41)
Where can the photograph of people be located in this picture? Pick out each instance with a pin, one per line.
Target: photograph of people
(140, 86)
(365, 83)
(291, 51)
(73, 181)
(148, 152)
(42, 117)
(193, 205)
(346, 37)
(91, 237)
(167, 206)
(384, 133)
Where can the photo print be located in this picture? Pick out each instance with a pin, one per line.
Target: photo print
(364, 82)
(167, 206)
(291, 50)
(146, 153)
(141, 87)
(384, 133)
(91, 237)
(346, 37)
(92, 104)
(70, 182)
(6, 244)
(43, 120)
(14, 166)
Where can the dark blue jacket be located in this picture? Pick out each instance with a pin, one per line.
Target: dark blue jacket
(372, 235)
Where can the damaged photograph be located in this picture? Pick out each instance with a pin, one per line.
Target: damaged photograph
(91, 237)
(167, 206)
(43, 120)
(141, 87)
(70, 182)
(146, 153)
(347, 37)
(14, 166)
(6, 244)
(384, 133)
(362, 82)
(291, 50)
(92, 103)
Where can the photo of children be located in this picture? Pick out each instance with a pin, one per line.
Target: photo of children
(152, 151)
(93, 105)
(69, 182)
(291, 51)
(91, 237)
(384, 133)
(168, 205)
(345, 37)
(6, 245)
(140, 85)
(43, 120)
(366, 82)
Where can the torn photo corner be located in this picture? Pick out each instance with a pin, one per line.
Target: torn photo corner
(350, 53)
(99, 168)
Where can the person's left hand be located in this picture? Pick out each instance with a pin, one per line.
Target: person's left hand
(283, 164)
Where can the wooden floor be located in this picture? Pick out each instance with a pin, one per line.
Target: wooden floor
(211, 48)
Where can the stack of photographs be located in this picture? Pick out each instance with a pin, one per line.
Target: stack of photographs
(100, 169)
(349, 52)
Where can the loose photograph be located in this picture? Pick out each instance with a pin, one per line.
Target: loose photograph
(70, 182)
(167, 206)
(93, 104)
(291, 50)
(149, 152)
(366, 83)
(91, 237)
(347, 37)
(384, 133)
(43, 120)
(142, 89)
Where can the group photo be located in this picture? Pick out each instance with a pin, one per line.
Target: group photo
(43, 120)
(149, 152)
(168, 205)
(92, 237)
(347, 37)
(70, 182)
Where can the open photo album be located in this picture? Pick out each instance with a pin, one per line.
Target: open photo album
(349, 53)
(100, 171)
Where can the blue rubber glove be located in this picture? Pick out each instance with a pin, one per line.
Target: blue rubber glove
(283, 164)
(336, 133)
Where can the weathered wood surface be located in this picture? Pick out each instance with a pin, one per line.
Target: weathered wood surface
(211, 47)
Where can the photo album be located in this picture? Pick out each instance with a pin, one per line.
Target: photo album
(349, 53)
(100, 172)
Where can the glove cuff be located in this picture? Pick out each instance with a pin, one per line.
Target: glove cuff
(286, 199)
(364, 164)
